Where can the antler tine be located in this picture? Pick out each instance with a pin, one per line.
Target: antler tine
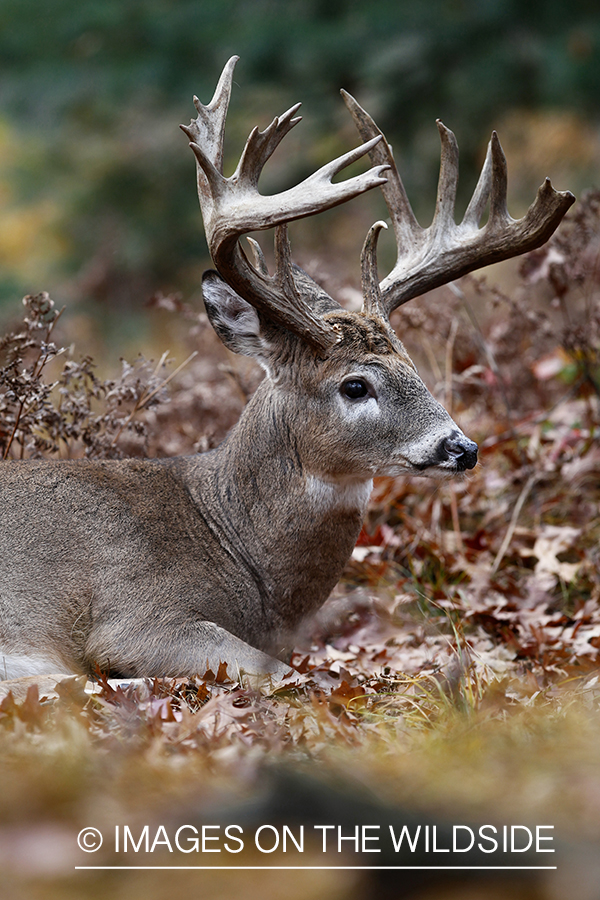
(406, 228)
(498, 208)
(260, 263)
(448, 179)
(207, 131)
(232, 207)
(368, 266)
(481, 194)
(261, 145)
(430, 257)
(284, 275)
(209, 128)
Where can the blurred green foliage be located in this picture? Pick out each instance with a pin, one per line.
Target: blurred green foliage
(97, 185)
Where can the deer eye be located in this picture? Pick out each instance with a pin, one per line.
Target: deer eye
(355, 389)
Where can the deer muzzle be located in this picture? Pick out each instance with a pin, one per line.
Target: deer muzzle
(459, 449)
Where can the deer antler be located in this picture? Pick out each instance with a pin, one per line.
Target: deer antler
(430, 257)
(232, 207)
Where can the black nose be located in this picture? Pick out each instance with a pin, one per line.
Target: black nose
(461, 450)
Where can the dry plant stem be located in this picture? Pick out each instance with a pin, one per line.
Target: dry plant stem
(143, 401)
(448, 404)
(35, 374)
(449, 352)
(513, 521)
(436, 529)
(456, 521)
(13, 432)
(18, 417)
(148, 398)
(431, 357)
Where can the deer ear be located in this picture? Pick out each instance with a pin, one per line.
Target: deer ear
(235, 321)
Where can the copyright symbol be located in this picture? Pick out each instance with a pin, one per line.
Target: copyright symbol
(89, 839)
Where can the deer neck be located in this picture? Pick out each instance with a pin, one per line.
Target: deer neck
(292, 528)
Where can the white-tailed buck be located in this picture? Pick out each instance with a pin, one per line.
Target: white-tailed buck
(168, 566)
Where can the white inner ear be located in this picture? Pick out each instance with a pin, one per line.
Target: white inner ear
(235, 321)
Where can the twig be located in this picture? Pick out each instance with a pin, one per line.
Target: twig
(449, 352)
(456, 521)
(144, 400)
(147, 399)
(513, 520)
(34, 374)
(426, 344)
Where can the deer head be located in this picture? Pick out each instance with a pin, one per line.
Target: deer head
(355, 380)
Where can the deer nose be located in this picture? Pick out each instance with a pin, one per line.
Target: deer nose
(461, 450)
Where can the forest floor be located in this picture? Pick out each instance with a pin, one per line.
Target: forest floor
(452, 678)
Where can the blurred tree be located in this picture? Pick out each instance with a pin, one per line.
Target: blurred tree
(95, 180)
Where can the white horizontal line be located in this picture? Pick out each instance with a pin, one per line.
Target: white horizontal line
(336, 868)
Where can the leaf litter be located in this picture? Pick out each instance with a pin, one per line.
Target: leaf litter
(467, 615)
